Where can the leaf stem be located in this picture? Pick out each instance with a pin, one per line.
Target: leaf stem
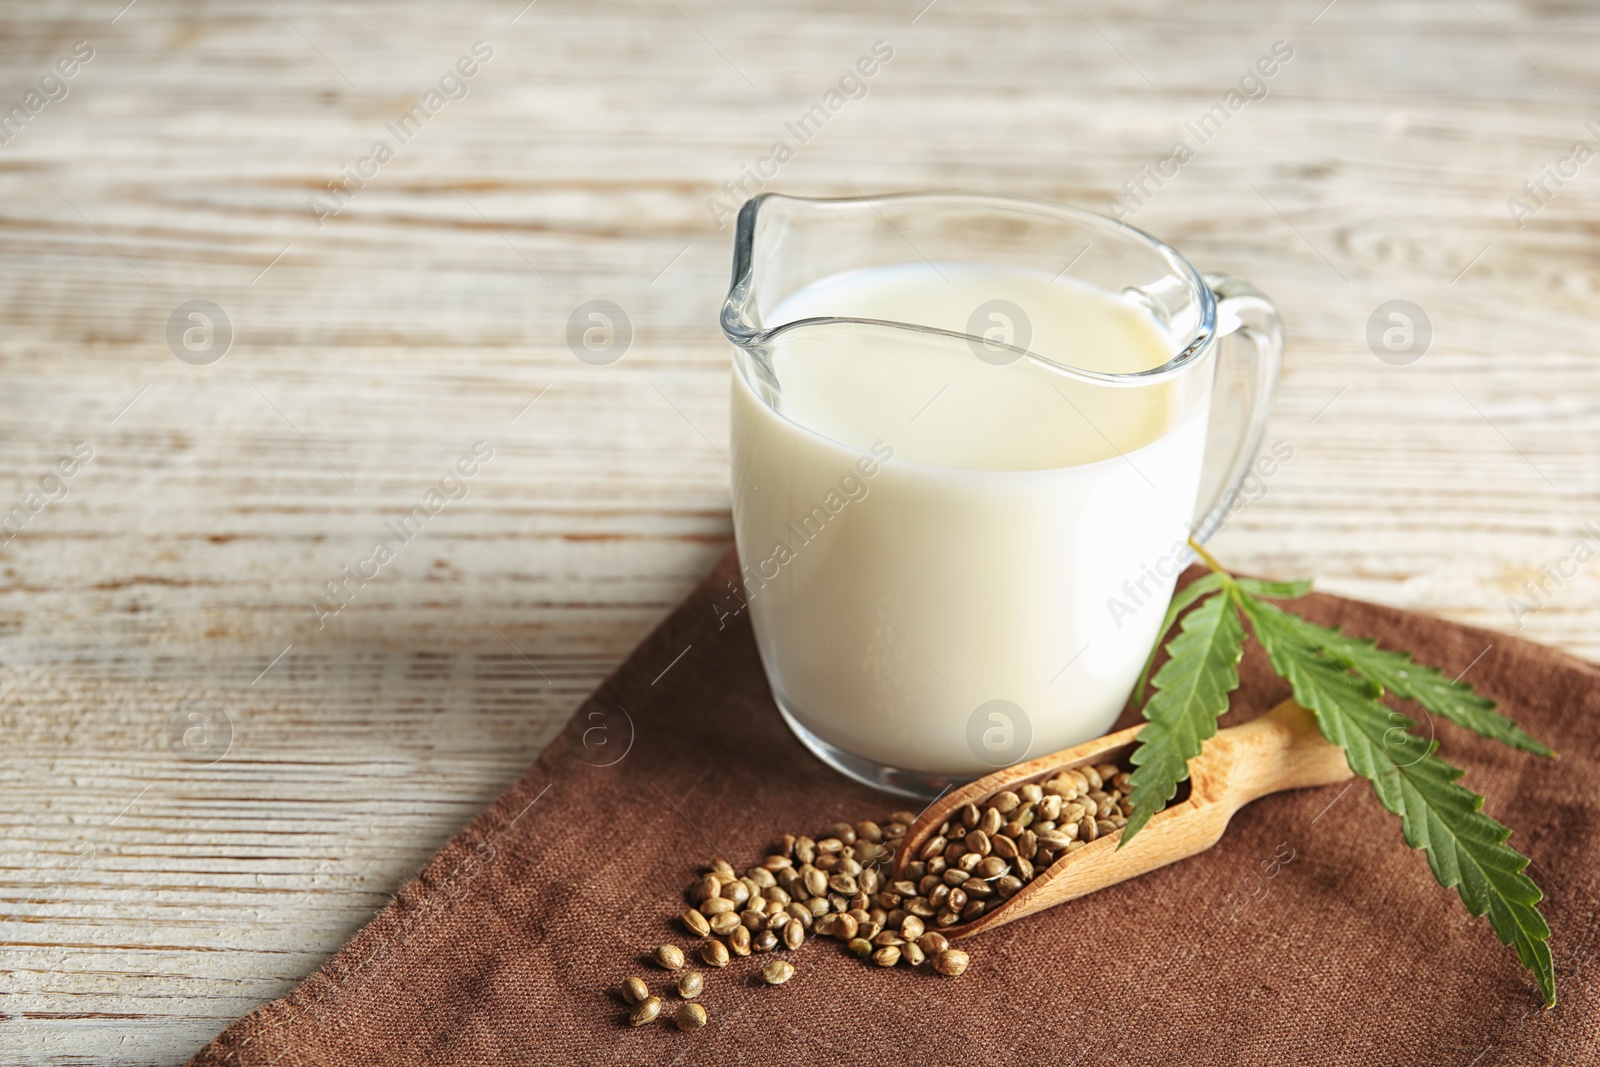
(1210, 560)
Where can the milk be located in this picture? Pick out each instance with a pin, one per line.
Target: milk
(930, 533)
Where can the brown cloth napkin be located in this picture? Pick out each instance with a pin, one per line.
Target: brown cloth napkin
(1309, 935)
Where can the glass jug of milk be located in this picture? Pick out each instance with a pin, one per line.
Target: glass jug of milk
(971, 436)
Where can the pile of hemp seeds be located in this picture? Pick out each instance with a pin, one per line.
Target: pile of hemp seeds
(838, 885)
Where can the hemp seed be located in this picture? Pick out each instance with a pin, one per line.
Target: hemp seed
(837, 885)
(714, 954)
(648, 1011)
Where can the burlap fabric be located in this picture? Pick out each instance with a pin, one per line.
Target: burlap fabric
(1309, 935)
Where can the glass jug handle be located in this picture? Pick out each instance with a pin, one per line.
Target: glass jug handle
(1250, 352)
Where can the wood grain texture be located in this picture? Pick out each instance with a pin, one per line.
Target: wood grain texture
(148, 900)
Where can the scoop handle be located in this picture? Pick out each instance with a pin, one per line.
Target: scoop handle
(1282, 749)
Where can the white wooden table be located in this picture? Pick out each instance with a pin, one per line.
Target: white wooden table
(148, 899)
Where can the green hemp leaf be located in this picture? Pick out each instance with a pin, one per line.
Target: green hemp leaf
(1341, 680)
(1191, 694)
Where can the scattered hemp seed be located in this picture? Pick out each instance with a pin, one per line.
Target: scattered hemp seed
(647, 1012)
(842, 884)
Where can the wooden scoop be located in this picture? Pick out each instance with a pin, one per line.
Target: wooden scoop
(1280, 750)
